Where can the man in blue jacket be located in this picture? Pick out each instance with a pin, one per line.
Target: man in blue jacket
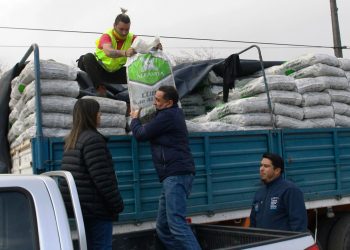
(279, 204)
(174, 164)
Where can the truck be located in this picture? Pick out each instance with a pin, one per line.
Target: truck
(227, 175)
(44, 223)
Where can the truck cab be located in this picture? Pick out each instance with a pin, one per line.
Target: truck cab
(33, 215)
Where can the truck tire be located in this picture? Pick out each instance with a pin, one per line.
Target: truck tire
(324, 230)
(339, 238)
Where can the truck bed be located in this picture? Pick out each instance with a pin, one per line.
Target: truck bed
(212, 237)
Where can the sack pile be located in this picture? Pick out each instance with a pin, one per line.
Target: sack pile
(311, 91)
(113, 116)
(58, 96)
(340, 100)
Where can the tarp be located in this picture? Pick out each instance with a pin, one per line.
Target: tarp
(5, 91)
(189, 75)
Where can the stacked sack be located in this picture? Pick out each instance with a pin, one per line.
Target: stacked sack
(311, 91)
(322, 84)
(192, 105)
(248, 113)
(212, 91)
(285, 101)
(58, 96)
(206, 98)
(341, 104)
(113, 116)
(252, 111)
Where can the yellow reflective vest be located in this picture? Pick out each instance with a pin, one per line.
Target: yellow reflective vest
(108, 63)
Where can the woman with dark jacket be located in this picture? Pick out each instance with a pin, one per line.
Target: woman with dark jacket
(87, 157)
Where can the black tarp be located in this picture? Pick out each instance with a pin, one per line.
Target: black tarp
(5, 91)
(189, 75)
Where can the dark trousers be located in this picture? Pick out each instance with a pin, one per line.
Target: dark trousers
(98, 74)
(98, 234)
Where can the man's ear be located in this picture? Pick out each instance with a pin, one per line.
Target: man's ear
(170, 104)
(278, 171)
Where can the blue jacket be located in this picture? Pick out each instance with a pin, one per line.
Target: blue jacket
(279, 205)
(168, 135)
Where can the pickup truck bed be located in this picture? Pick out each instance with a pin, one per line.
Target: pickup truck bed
(221, 237)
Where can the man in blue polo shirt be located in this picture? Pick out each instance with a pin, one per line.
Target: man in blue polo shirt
(279, 204)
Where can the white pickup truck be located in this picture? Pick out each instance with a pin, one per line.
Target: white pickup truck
(33, 216)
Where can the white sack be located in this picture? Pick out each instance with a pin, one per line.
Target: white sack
(319, 69)
(112, 121)
(339, 95)
(285, 97)
(192, 100)
(146, 73)
(143, 46)
(109, 105)
(319, 123)
(288, 122)
(50, 104)
(316, 84)
(316, 98)
(47, 132)
(191, 111)
(214, 79)
(274, 82)
(252, 119)
(112, 131)
(310, 59)
(274, 70)
(341, 108)
(209, 127)
(288, 110)
(50, 120)
(52, 87)
(241, 106)
(319, 111)
(342, 121)
(344, 64)
(48, 70)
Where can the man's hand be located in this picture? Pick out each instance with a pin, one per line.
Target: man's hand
(135, 113)
(130, 52)
(159, 46)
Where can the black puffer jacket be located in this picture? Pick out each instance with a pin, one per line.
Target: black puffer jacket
(92, 168)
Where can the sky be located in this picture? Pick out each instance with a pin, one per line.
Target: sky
(273, 21)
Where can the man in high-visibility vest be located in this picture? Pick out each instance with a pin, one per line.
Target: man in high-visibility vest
(106, 65)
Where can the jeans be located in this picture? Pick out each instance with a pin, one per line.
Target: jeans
(98, 234)
(172, 227)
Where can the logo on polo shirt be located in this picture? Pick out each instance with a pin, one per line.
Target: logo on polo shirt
(274, 203)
